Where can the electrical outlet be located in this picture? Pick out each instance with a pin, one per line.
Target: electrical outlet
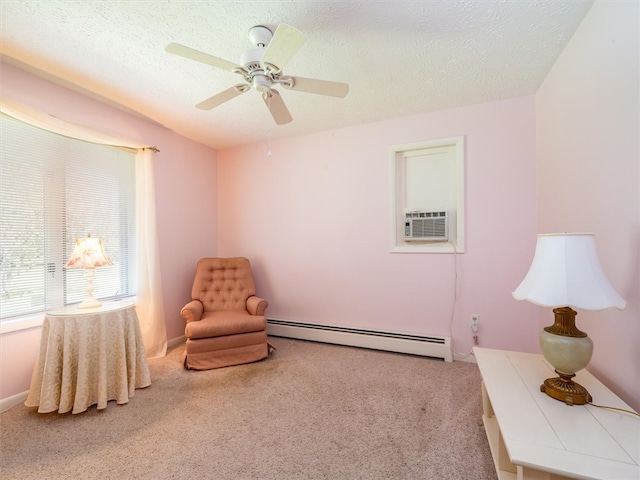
(475, 318)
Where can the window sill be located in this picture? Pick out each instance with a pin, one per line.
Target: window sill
(22, 323)
(444, 247)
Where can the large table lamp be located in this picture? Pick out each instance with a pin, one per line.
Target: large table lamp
(88, 253)
(565, 274)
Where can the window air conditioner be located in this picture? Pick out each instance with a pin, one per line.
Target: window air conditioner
(426, 227)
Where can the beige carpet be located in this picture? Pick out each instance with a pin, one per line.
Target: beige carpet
(310, 411)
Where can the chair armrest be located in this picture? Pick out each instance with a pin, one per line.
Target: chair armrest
(192, 311)
(256, 305)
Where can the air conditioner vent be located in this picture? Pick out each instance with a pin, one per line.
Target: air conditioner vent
(426, 226)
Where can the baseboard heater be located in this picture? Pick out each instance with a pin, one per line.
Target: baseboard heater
(427, 346)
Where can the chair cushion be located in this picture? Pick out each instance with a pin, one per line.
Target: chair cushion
(217, 324)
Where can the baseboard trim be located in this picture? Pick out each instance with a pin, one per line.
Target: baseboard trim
(470, 358)
(174, 342)
(10, 402)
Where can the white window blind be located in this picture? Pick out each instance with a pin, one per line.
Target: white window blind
(52, 190)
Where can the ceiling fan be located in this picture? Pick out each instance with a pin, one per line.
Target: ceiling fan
(261, 68)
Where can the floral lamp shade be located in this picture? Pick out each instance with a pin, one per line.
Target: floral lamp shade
(88, 253)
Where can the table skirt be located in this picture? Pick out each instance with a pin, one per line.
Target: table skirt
(88, 359)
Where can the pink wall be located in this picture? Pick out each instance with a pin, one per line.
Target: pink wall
(313, 217)
(185, 177)
(314, 220)
(589, 174)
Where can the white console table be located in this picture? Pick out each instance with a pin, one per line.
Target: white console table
(533, 436)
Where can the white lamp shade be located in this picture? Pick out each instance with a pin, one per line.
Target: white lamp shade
(566, 272)
(88, 252)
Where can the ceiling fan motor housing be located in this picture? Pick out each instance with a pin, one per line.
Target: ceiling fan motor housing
(253, 71)
(250, 59)
(260, 37)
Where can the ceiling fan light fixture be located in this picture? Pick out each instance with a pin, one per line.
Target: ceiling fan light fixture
(261, 82)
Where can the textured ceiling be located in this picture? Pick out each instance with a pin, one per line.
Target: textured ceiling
(399, 57)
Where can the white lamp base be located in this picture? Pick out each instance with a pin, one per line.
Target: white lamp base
(90, 302)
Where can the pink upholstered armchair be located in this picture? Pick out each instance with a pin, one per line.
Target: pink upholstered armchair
(225, 319)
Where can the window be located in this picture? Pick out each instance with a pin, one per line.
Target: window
(52, 190)
(427, 182)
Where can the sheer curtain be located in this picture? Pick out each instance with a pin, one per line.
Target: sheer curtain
(149, 296)
(149, 302)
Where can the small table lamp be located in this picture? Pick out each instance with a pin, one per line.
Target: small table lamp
(88, 253)
(566, 274)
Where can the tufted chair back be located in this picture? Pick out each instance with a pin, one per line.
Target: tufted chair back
(223, 283)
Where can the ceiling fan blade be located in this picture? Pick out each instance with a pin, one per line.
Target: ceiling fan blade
(199, 56)
(223, 96)
(283, 46)
(319, 87)
(276, 106)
